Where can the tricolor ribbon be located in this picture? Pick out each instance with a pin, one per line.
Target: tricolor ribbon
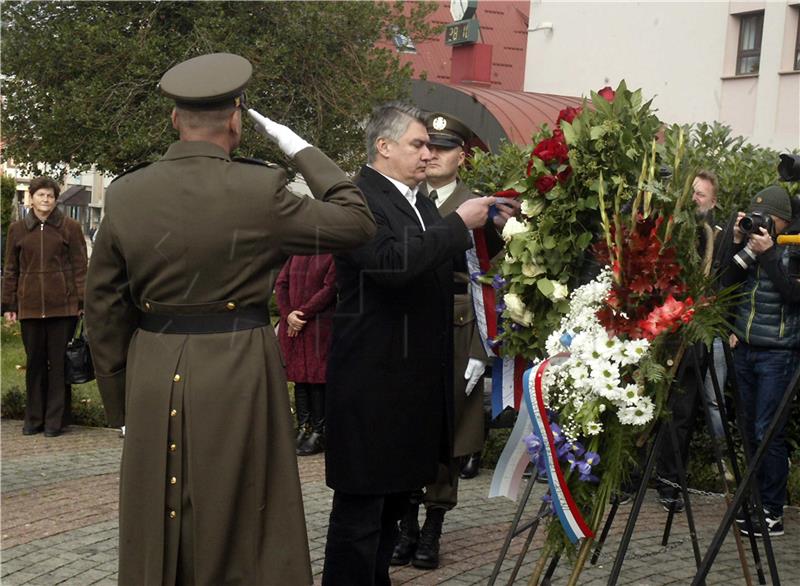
(514, 458)
(506, 372)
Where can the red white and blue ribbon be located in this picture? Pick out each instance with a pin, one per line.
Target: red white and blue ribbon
(506, 372)
(508, 473)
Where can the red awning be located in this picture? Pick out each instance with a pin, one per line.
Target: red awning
(493, 114)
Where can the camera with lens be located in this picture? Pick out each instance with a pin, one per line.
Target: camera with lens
(751, 224)
(754, 221)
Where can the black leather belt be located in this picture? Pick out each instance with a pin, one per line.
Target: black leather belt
(209, 323)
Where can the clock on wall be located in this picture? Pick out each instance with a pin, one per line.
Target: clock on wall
(463, 9)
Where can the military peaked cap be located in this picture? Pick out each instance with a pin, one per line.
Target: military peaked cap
(446, 131)
(208, 81)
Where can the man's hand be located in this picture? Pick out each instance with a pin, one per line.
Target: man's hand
(761, 242)
(506, 208)
(295, 323)
(10, 316)
(475, 211)
(738, 235)
(475, 369)
(732, 341)
(287, 140)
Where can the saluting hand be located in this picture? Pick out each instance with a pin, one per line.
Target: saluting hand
(287, 140)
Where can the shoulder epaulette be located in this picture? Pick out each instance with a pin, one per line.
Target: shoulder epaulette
(136, 167)
(250, 161)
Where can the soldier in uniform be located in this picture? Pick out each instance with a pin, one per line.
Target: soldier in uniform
(177, 310)
(447, 139)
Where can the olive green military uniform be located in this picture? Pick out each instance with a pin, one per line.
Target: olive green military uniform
(210, 493)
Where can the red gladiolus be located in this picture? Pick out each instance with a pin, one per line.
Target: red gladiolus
(568, 114)
(667, 317)
(545, 183)
(507, 193)
(529, 168)
(607, 94)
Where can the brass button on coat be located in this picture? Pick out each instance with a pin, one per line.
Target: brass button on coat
(172, 514)
(147, 305)
(173, 447)
(173, 413)
(230, 305)
(177, 378)
(173, 480)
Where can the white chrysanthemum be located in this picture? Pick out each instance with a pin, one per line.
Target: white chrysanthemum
(516, 310)
(638, 414)
(593, 428)
(634, 351)
(630, 394)
(514, 226)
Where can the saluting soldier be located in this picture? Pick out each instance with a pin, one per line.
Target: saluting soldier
(177, 311)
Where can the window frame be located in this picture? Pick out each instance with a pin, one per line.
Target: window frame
(797, 45)
(742, 54)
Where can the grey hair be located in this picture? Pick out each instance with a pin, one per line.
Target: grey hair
(390, 120)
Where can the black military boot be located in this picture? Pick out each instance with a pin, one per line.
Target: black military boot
(409, 534)
(302, 404)
(314, 443)
(427, 554)
(471, 466)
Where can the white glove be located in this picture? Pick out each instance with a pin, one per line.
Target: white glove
(287, 140)
(475, 370)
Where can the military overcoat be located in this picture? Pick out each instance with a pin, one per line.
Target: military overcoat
(389, 394)
(468, 410)
(208, 464)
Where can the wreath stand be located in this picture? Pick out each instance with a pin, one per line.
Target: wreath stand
(663, 431)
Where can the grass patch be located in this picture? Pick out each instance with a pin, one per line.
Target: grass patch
(87, 408)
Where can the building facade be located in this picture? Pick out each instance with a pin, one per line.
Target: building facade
(730, 61)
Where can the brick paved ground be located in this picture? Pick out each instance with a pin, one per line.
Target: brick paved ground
(59, 524)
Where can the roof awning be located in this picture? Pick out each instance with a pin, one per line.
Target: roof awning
(77, 195)
(493, 114)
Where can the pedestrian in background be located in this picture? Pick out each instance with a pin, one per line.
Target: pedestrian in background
(43, 284)
(306, 296)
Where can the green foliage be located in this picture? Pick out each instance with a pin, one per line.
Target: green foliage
(8, 191)
(493, 172)
(743, 169)
(80, 77)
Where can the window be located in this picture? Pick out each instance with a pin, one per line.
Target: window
(797, 48)
(749, 54)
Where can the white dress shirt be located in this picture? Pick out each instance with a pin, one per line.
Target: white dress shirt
(407, 192)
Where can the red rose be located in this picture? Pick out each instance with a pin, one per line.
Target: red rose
(568, 114)
(545, 183)
(552, 150)
(564, 175)
(530, 167)
(607, 94)
(507, 193)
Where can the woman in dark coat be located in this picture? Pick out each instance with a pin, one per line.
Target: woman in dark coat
(43, 283)
(306, 296)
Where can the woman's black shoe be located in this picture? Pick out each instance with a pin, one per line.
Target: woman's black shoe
(52, 432)
(31, 430)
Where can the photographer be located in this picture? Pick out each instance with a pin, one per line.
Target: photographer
(767, 333)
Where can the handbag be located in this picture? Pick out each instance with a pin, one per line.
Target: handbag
(78, 360)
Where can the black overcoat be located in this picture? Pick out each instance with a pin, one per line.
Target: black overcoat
(389, 396)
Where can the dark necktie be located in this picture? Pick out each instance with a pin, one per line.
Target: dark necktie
(433, 195)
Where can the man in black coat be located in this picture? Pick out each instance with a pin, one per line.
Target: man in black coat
(389, 399)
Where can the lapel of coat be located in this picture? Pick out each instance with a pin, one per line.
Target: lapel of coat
(397, 199)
